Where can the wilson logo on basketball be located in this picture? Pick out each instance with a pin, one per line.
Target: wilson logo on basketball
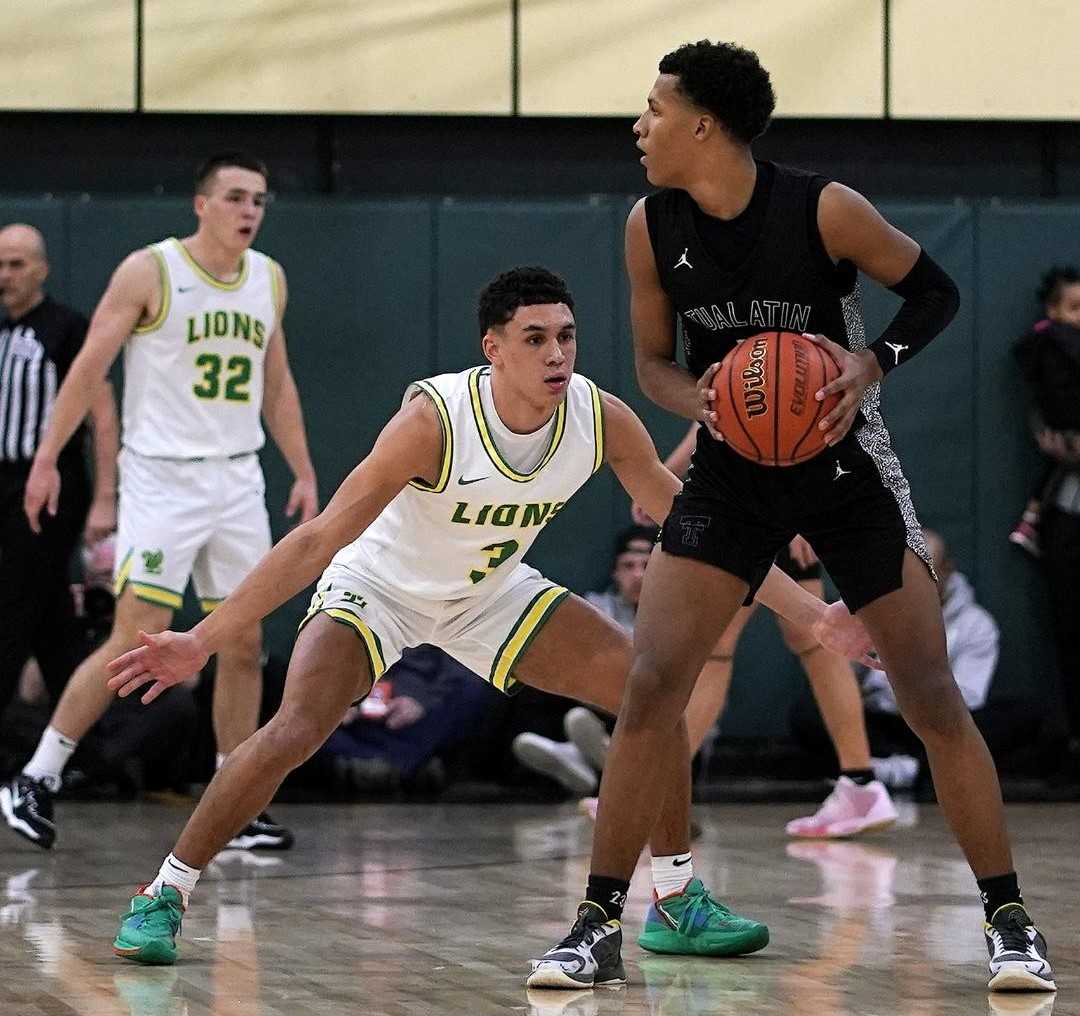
(766, 404)
(753, 377)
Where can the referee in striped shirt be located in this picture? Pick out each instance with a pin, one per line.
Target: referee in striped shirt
(38, 340)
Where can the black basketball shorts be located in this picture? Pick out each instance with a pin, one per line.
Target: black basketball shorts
(851, 502)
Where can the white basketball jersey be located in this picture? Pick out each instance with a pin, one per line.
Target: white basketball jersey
(193, 377)
(463, 536)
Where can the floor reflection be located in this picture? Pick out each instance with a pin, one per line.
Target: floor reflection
(696, 986)
(597, 1002)
(1021, 1005)
(19, 898)
(149, 991)
(235, 977)
(425, 912)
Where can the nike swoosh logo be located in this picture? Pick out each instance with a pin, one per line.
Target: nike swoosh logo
(677, 863)
(465, 483)
(184, 289)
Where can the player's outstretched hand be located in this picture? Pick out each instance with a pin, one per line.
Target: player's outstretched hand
(858, 371)
(841, 632)
(303, 498)
(164, 659)
(707, 395)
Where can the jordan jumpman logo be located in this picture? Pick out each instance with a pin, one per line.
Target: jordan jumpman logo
(897, 350)
(840, 471)
(684, 260)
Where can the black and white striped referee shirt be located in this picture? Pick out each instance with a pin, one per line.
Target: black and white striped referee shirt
(36, 352)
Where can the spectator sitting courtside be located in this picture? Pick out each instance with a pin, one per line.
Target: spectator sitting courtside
(393, 739)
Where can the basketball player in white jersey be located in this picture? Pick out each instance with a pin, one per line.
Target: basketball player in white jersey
(427, 536)
(200, 323)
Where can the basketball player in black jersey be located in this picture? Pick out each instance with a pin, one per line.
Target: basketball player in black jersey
(732, 246)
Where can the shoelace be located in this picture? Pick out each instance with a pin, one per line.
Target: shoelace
(699, 901)
(30, 790)
(1013, 933)
(160, 903)
(579, 931)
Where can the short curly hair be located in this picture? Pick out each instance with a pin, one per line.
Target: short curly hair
(519, 287)
(1053, 283)
(726, 80)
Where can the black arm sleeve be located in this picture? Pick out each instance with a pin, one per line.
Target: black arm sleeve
(931, 301)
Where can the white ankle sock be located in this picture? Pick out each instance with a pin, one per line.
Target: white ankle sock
(177, 874)
(670, 874)
(219, 761)
(53, 752)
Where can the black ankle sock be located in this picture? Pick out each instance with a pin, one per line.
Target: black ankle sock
(998, 891)
(861, 777)
(609, 894)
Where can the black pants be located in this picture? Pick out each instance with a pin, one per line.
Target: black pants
(36, 612)
(1059, 536)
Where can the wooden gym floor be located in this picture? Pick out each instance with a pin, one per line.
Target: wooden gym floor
(404, 910)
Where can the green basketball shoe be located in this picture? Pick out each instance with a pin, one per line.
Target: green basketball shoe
(692, 923)
(148, 931)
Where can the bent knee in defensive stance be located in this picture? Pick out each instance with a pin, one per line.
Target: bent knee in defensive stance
(293, 737)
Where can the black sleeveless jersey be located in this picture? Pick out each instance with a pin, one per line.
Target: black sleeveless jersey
(786, 280)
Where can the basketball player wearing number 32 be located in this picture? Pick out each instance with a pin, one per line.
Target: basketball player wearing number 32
(732, 247)
(200, 324)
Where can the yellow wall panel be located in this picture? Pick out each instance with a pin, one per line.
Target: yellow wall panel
(825, 57)
(986, 58)
(68, 54)
(387, 56)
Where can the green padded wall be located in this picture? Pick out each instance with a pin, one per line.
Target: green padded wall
(358, 328)
(384, 291)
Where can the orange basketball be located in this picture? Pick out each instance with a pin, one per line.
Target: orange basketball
(765, 398)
